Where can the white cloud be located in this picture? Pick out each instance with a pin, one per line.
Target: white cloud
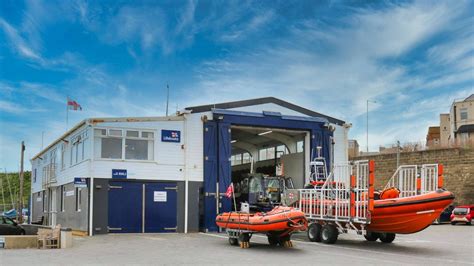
(18, 43)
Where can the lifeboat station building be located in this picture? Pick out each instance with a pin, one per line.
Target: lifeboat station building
(170, 174)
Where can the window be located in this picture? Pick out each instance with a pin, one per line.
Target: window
(300, 146)
(111, 148)
(463, 112)
(63, 188)
(236, 159)
(78, 199)
(132, 134)
(266, 154)
(63, 156)
(44, 201)
(280, 150)
(135, 145)
(246, 158)
(34, 175)
(136, 149)
(115, 132)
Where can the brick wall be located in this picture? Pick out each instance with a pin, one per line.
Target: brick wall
(458, 169)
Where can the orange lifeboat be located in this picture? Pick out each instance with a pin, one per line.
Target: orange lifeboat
(279, 219)
(278, 224)
(409, 214)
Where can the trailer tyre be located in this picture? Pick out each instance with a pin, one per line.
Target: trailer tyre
(233, 241)
(371, 236)
(273, 240)
(329, 234)
(387, 237)
(314, 232)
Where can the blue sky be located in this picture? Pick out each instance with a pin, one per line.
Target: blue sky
(115, 58)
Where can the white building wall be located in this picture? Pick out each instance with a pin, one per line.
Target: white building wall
(168, 160)
(341, 153)
(66, 175)
(194, 146)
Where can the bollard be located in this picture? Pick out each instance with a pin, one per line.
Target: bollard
(66, 238)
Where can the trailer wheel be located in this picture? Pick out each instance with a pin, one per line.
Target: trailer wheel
(273, 240)
(387, 237)
(371, 236)
(329, 234)
(314, 232)
(233, 241)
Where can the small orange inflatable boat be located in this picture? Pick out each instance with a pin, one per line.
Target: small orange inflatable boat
(280, 219)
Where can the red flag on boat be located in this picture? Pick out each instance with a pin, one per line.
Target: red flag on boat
(230, 190)
(73, 105)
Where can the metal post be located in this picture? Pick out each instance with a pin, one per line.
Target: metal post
(367, 133)
(3, 194)
(167, 97)
(398, 153)
(12, 202)
(20, 207)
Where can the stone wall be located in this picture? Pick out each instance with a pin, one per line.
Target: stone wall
(458, 169)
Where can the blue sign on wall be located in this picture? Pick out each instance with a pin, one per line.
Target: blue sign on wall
(119, 173)
(80, 182)
(170, 135)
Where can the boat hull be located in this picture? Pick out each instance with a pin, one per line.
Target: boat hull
(408, 215)
(280, 219)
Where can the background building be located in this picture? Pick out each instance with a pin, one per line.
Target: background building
(169, 174)
(433, 137)
(353, 148)
(457, 127)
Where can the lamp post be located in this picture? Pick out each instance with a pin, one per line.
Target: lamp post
(368, 122)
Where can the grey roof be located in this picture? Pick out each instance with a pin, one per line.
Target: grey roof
(465, 128)
(250, 102)
(470, 98)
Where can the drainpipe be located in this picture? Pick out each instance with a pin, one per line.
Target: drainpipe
(186, 179)
(91, 185)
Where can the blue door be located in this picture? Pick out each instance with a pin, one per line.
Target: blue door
(210, 175)
(225, 169)
(125, 207)
(160, 207)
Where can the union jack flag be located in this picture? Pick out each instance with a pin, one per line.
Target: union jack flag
(73, 105)
(230, 190)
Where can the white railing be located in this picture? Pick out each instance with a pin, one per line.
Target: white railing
(343, 197)
(412, 180)
(404, 179)
(429, 178)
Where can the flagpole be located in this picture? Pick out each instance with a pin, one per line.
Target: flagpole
(233, 195)
(167, 97)
(67, 113)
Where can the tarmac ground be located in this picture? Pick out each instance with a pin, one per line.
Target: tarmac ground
(437, 245)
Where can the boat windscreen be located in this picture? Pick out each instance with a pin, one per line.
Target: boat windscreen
(460, 211)
(255, 185)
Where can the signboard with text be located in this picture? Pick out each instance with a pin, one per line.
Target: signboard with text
(170, 135)
(119, 173)
(80, 182)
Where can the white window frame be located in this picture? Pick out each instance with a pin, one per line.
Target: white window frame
(78, 198)
(124, 138)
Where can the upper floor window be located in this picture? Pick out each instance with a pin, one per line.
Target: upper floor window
(300, 146)
(463, 112)
(266, 154)
(124, 144)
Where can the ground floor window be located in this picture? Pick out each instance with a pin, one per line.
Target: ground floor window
(78, 199)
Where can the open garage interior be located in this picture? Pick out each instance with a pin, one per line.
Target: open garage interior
(277, 155)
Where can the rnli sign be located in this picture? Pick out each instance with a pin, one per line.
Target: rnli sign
(80, 182)
(119, 173)
(170, 136)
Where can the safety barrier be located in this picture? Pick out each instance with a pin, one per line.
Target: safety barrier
(345, 196)
(412, 180)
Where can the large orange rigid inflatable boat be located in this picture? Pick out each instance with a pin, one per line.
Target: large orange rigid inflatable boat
(280, 219)
(408, 215)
